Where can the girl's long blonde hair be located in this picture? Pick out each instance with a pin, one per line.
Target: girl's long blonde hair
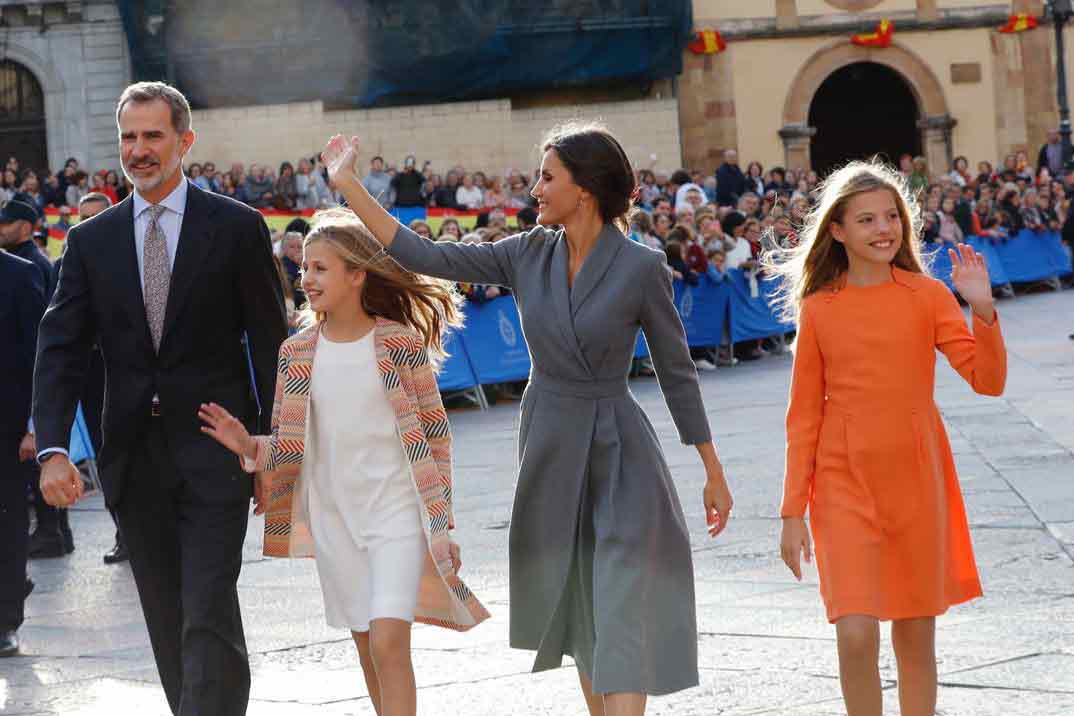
(427, 305)
(818, 260)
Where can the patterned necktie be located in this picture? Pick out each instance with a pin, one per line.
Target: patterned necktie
(157, 272)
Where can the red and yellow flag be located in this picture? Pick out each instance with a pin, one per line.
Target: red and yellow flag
(707, 42)
(880, 37)
(1019, 23)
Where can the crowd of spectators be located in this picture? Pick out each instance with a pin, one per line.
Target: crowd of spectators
(706, 223)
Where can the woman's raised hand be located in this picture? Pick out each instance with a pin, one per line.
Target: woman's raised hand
(227, 430)
(340, 157)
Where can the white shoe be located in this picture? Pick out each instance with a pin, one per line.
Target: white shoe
(725, 361)
(702, 364)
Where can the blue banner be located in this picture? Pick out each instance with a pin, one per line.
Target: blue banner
(1027, 256)
(752, 316)
(1057, 252)
(641, 346)
(456, 372)
(997, 272)
(498, 352)
(81, 448)
(703, 310)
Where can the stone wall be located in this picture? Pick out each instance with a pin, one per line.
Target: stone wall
(487, 135)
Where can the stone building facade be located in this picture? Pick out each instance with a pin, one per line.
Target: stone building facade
(62, 66)
(791, 88)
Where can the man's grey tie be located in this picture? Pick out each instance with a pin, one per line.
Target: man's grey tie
(157, 273)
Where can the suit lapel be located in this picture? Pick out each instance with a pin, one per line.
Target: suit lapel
(595, 266)
(561, 298)
(131, 279)
(195, 243)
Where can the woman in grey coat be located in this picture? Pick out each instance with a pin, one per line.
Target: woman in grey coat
(600, 561)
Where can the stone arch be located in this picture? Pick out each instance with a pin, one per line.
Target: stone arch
(54, 90)
(934, 119)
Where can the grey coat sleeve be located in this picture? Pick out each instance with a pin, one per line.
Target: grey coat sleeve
(671, 356)
(470, 263)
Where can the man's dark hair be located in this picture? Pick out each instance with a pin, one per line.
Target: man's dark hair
(527, 217)
(680, 177)
(377, 159)
(298, 224)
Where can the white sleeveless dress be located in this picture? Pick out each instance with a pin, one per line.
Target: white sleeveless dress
(363, 506)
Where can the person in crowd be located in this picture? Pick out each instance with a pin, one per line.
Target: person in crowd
(22, 303)
(889, 527)
(449, 230)
(100, 185)
(755, 178)
(526, 218)
(407, 186)
(1030, 211)
(730, 181)
(468, 195)
(1048, 216)
(960, 172)
(495, 198)
(985, 174)
(1050, 156)
(421, 228)
(641, 229)
(379, 183)
(712, 236)
(77, 189)
(676, 258)
(285, 190)
(919, 177)
(949, 230)
(1011, 207)
(259, 188)
(193, 173)
(518, 196)
(444, 195)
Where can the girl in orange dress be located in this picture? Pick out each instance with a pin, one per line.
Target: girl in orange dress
(866, 449)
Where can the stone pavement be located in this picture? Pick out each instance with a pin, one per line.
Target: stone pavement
(765, 645)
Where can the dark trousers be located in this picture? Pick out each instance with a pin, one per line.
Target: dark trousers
(186, 554)
(15, 478)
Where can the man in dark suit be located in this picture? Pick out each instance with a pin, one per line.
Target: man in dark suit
(22, 301)
(169, 281)
(52, 537)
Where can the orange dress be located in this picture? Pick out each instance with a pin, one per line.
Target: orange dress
(866, 447)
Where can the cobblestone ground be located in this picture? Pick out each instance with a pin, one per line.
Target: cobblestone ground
(765, 645)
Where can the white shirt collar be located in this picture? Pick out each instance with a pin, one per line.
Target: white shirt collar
(176, 201)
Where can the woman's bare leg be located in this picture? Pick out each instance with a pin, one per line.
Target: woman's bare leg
(858, 638)
(915, 651)
(365, 657)
(624, 704)
(595, 702)
(389, 641)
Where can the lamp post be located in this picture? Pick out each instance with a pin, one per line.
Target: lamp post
(1061, 12)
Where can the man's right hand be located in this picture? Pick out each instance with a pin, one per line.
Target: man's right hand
(61, 482)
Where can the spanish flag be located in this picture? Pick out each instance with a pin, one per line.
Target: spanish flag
(1019, 23)
(880, 37)
(707, 42)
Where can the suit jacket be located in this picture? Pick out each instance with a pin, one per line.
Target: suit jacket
(425, 432)
(28, 250)
(22, 301)
(223, 286)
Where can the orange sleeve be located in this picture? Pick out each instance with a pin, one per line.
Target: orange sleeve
(804, 415)
(975, 224)
(979, 357)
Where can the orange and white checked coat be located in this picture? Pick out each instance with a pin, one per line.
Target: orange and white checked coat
(426, 436)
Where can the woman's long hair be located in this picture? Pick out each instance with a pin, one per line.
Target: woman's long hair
(427, 305)
(818, 260)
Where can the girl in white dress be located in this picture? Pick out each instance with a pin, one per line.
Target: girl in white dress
(365, 510)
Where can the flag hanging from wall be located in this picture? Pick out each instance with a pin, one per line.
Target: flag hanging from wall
(1019, 23)
(880, 37)
(707, 42)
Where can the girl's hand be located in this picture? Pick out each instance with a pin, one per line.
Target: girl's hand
(341, 158)
(970, 278)
(793, 543)
(456, 556)
(226, 429)
(262, 490)
(718, 500)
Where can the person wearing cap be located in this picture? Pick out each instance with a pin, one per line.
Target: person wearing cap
(52, 537)
(22, 298)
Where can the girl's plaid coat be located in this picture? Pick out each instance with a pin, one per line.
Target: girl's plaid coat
(426, 435)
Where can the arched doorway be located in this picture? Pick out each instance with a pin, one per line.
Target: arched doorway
(22, 117)
(934, 122)
(863, 109)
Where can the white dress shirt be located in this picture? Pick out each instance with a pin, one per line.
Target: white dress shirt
(171, 222)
